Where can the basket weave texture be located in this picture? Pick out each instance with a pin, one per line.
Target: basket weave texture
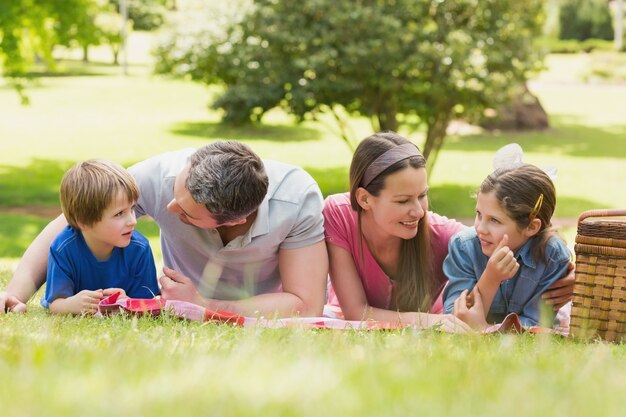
(599, 303)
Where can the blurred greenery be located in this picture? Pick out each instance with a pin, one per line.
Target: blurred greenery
(130, 118)
(433, 60)
(163, 366)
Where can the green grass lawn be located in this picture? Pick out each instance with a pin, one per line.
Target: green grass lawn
(77, 366)
(73, 366)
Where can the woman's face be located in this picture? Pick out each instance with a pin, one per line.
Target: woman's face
(401, 204)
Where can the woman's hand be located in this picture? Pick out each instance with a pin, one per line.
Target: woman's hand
(444, 322)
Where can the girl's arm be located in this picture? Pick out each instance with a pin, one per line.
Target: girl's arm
(501, 266)
(557, 267)
(353, 301)
(460, 270)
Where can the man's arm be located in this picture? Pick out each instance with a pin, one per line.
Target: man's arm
(561, 292)
(303, 274)
(30, 273)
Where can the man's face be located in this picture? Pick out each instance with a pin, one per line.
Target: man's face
(188, 211)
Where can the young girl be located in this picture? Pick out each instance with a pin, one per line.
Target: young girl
(512, 255)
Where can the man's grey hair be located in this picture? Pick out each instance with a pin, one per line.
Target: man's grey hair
(229, 179)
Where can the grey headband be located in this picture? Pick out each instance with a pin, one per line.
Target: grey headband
(387, 159)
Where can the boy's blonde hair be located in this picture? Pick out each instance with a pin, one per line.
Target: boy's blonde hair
(89, 187)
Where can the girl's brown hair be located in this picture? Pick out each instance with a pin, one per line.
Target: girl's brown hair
(415, 280)
(525, 193)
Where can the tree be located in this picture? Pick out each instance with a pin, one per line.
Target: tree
(146, 14)
(384, 59)
(29, 30)
(586, 19)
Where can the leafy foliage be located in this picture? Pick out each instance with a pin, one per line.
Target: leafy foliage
(30, 29)
(434, 59)
(145, 14)
(585, 19)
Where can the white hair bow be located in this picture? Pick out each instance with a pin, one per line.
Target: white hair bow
(511, 156)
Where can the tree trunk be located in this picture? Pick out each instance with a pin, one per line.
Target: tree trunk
(116, 52)
(85, 53)
(387, 117)
(435, 136)
(619, 25)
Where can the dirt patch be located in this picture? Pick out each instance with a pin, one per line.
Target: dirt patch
(35, 211)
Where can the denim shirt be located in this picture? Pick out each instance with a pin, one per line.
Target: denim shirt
(521, 294)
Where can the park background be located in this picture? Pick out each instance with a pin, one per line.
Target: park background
(158, 366)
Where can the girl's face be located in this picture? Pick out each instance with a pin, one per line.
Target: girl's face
(492, 223)
(401, 204)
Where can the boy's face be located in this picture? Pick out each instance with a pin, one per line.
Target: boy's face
(114, 229)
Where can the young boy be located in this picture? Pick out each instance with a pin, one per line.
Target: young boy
(99, 252)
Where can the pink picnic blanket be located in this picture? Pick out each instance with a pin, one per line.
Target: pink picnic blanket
(186, 310)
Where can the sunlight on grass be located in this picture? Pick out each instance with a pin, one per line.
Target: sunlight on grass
(68, 362)
(163, 366)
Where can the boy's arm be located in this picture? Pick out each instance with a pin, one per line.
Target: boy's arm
(30, 273)
(84, 302)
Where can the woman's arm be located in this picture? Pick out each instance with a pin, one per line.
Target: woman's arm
(353, 301)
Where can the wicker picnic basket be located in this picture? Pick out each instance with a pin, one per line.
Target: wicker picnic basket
(599, 303)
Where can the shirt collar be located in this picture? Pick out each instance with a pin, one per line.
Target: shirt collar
(261, 225)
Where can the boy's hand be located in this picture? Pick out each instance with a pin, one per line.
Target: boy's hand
(110, 291)
(473, 315)
(85, 301)
(502, 264)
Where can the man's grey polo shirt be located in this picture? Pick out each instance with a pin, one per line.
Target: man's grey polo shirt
(289, 217)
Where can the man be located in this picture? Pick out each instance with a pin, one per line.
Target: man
(237, 233)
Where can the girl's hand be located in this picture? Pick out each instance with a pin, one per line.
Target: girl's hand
(502, 264)
(474, 314)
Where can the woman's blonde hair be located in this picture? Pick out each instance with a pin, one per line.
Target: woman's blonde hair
(415, 280)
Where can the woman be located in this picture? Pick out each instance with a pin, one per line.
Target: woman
(386, 250)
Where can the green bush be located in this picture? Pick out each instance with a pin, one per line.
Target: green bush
(585, 19)
(571, 46)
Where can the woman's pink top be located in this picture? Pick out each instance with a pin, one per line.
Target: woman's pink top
(341, 229)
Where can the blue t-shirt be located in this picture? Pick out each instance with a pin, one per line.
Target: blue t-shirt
(73, 268)
(521, 294)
